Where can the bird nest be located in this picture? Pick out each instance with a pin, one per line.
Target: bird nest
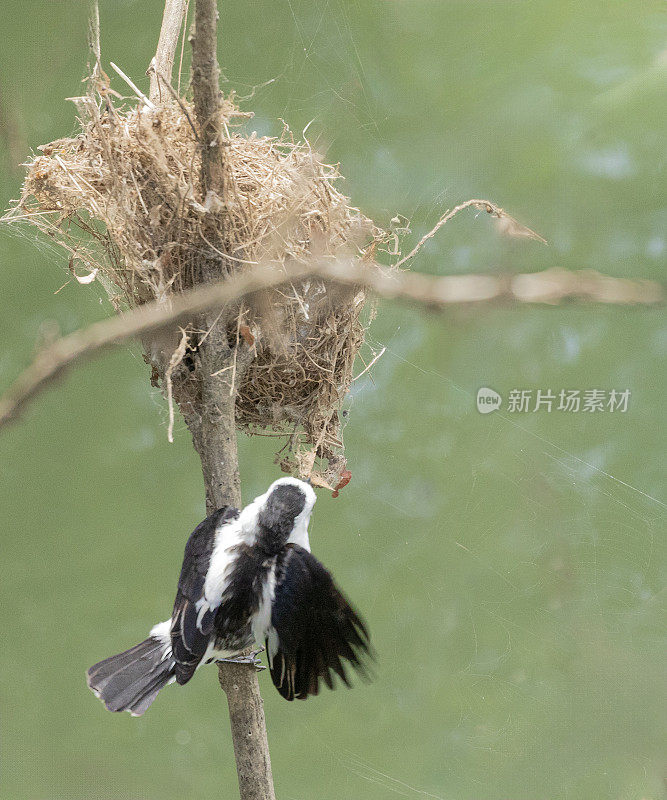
(122, 197)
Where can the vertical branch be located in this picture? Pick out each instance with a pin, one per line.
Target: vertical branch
(219, 365)
(172, 21)
(246, 716)
(214, 436)
(213, 425)
(206, 88)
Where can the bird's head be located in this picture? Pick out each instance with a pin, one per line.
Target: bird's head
(286, 506)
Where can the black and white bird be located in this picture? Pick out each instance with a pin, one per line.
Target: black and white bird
(247, 577)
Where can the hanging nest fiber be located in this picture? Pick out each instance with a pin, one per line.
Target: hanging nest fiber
(122, 198)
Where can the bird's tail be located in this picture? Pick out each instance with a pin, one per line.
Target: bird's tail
(130, 681)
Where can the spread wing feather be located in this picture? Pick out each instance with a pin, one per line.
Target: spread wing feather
(314, 632)
(193, 617)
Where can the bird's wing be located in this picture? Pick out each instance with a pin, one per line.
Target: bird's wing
(193, 615)
(312, 630)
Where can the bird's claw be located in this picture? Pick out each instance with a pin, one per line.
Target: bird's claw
(251, 660)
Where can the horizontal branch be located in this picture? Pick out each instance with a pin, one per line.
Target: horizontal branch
(550, 286)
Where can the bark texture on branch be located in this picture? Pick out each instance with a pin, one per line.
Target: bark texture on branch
(246, 714)
(211, 419)
(211, 422)
(206, 90)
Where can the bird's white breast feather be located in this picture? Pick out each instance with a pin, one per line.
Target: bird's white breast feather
(226, 536)
(261, 620)
(242, 530)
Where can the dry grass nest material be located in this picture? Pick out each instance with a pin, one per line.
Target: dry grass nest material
(122, 198)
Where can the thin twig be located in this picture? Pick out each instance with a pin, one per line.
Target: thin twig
(94, 37)
(368, 366)
(149, 105)
(551, 286)
(174, 361)
(485, 205)
(182, 53)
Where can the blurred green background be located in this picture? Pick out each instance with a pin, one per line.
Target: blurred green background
(511, 567)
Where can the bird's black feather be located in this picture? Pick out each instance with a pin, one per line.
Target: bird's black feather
(242, 595)
(189, 639)
(317, 629)
(276, 519)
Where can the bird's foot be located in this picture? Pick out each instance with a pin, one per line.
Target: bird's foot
(251, 660)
